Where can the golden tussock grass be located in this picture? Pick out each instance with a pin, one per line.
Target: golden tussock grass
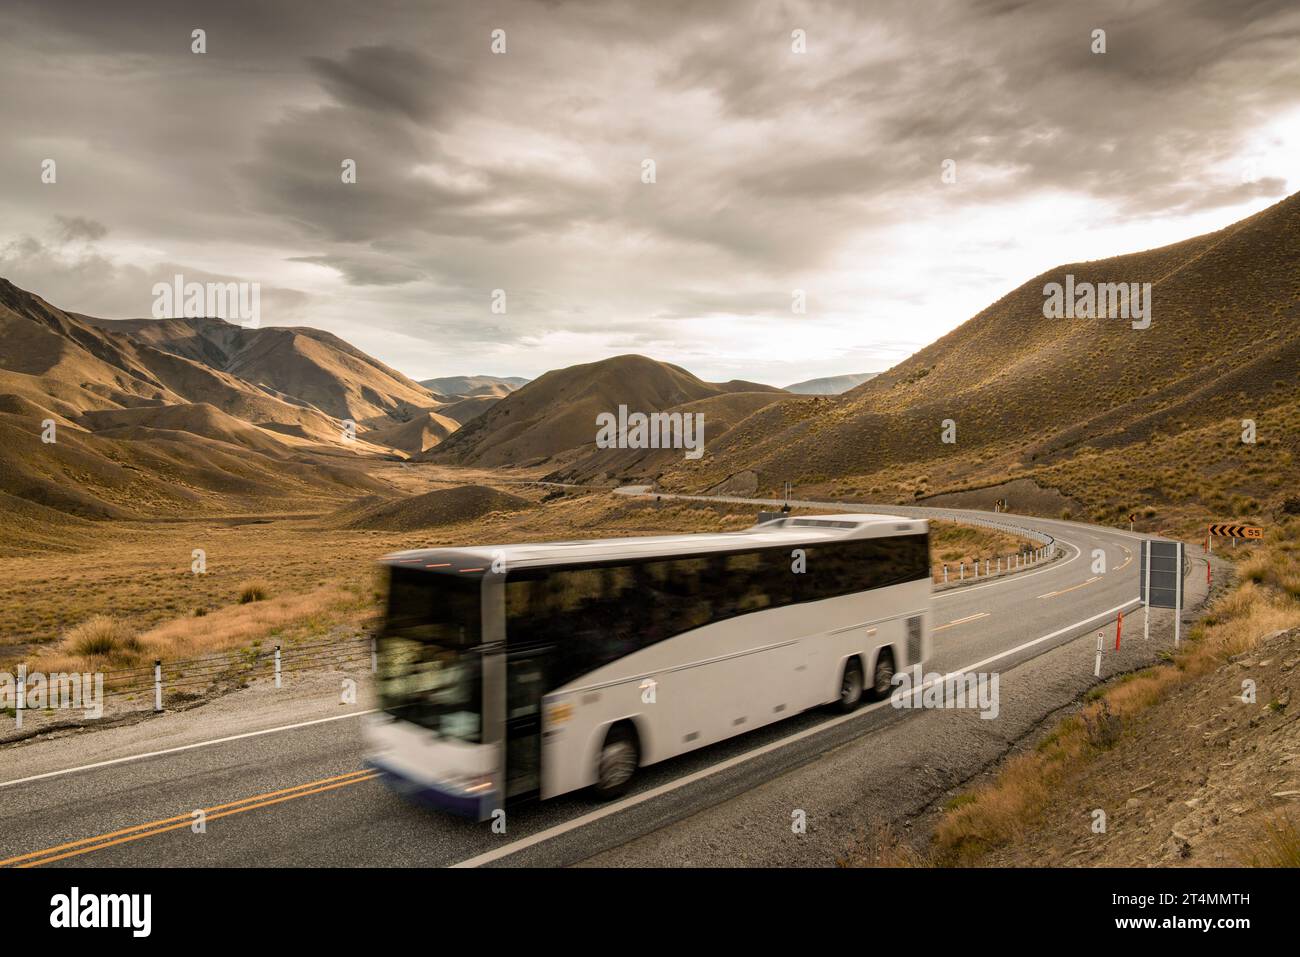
(287, 618)
(1278, 845)
(253, 590)
(102, 638)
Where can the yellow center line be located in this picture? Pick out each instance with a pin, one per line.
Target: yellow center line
(961, 621)
(1052, 594)
(151, 828)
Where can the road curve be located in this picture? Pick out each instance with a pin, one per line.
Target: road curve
(300, 796)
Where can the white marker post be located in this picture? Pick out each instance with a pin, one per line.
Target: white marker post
(277, 666)
(22, 695)
(1096, 672)
(1146, 598)
(1178, 593)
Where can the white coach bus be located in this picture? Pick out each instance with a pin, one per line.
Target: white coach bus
(525, 671)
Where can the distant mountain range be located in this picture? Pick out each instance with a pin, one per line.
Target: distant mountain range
(831, 385)
(131, 418)
(474, 386)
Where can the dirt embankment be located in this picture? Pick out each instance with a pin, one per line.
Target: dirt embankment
(1208, 777)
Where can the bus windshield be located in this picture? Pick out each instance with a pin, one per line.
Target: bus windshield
(430, 670)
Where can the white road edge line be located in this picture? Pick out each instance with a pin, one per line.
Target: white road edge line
(186, 747)
(585, 819)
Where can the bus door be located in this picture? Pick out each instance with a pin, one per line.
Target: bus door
(525, 679)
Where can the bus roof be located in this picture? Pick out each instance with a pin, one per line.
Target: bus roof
(790, 530)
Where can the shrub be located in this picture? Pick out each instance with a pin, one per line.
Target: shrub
(102, 637)
(253, 590)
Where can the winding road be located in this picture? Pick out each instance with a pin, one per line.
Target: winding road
(282, 792)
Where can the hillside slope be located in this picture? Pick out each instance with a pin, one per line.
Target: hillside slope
(1090, 406)
(311, 366)
(463, 386)
(557, 412)
(96, 424)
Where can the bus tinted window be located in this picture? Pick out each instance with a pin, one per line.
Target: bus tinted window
(591, 616)
(842, 568)
(426, 606)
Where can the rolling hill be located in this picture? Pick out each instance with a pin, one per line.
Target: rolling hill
(831, 385)
(556, 413)
(139, 432)
(312, 367)
(1109, 416)
(443, 506)
(421, 433)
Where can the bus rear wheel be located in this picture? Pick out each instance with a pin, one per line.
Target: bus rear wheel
(617, 764)
(883, 678)
(851, 686)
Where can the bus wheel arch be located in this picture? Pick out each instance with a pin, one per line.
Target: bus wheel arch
(618, 756)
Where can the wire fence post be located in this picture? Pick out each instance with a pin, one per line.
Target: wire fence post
(277, 666)
(157, 685)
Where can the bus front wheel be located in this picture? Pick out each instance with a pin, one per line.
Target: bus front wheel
(851, 686)
(617, 764)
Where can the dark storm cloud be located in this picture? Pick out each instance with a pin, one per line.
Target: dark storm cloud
(72, 228)
(383, 79)
(477, 171)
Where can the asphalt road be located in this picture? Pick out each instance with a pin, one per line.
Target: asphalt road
(300, 796)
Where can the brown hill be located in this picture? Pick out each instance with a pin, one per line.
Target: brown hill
(557, 412)
(1092, 407)
(197, 419)
(143, 433)
(474, 385)
(722, 413)
(144, 472)
(71, 365)
(444, 506)
(311, 366)
(462, 410)
(422, 432)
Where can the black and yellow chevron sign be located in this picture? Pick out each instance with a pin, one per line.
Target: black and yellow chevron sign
(1236, 531)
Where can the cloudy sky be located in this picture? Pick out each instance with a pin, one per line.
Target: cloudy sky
(775, 170)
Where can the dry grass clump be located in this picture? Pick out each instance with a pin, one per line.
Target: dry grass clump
(1277, 846)
(255, 589)
(105, 638)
